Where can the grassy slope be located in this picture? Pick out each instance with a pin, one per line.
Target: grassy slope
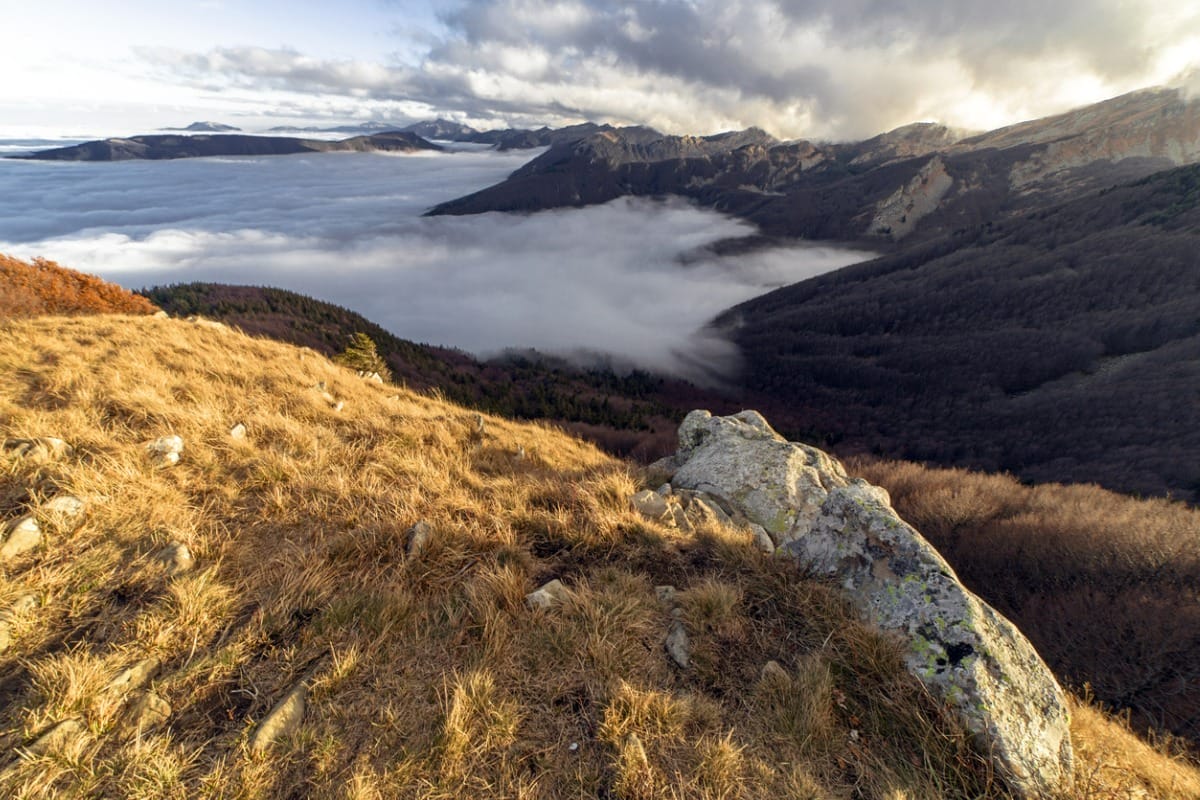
(429, 677)
(633, 414)
(43, 287)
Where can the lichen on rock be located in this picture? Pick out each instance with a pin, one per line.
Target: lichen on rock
(846, 531)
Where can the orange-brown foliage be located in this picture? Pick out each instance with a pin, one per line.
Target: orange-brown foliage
(43, 287)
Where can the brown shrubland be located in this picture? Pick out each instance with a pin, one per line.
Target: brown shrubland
(40, 286)
(427, 674)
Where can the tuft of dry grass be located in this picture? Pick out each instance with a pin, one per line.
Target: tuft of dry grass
(427, 675)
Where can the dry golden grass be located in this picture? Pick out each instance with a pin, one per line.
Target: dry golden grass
(428, 676)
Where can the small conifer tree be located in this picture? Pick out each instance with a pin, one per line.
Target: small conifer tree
(361, 355)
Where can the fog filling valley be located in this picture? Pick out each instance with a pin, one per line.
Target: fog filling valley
(629, 278)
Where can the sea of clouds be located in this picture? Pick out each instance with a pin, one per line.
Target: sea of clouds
(630, 278)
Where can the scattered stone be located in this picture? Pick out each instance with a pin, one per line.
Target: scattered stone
(21, 536)
(166, 450)
(57, 739)
(206, 323)
(702, 511)
(65, 512)
(665, 594)
(678, 517)
(282, 722)
(339, 405)
(650, 504)
(237, 431)
(326, 396)
(963, 650)
(677, 644)
(133, 678)
(773, 672)
(419, 536)
(664, 490)
(374, 377)
(661, 471)
(147, 711)
(519, 455)
(176, 558)
(478, 427)
(549, 594)
(40, 450)
(762, 539)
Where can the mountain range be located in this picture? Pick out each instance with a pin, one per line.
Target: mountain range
(169, 146)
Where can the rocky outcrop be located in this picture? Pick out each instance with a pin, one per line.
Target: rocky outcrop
(845, 530)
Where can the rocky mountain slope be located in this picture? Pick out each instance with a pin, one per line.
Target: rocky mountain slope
(167, 146)
(254, 573)
(915, 183)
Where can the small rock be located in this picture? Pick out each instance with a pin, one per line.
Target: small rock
(773, 672)
(762, 539)
(339, 405)
(662, 471)
(237, 431)
(665, 594)
(678, 647)
(549, 594)
(327, 397)
(650, 504)
(477, 426)
(161, 315)
(703, 510)
(166, 450)
(56, 739)
(64, 512)
(519, 455)
(664, 490)
(573, 747)
(133, 678)
(374, 377)
(147, 711)
(22, 536)
(680, 518)
(419, 536)
(176, 558)
(205, 323)
(282, 722)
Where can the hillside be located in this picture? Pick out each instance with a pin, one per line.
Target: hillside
(30, 288)
(281, 566)
(629, 413)
(1059, 346)
(913, 184)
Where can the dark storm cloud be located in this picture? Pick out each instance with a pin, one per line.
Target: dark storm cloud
(825, 68)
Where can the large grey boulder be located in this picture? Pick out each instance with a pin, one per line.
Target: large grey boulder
(845, 530)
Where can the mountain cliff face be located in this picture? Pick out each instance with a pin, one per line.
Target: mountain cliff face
(913, 184)
(172, 146)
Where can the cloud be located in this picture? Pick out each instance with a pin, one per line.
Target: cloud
(347, 228)
(814, 68)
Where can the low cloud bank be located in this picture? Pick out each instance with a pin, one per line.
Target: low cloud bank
(347, 228)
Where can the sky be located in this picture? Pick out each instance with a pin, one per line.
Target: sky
(820, 69)
(631, 279)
